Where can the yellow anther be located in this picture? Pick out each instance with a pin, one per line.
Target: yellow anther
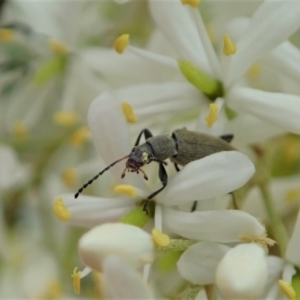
(160, 238)
(193, 3)
(287, 289)
(61, 211)
(212, 116)
(76, 280)
(6, 35)
(20, 130)
(80, 136)
(66, 118)
(254, 71)
(69, 177)
(292, 196)
(121, 43)
(129, 113)
(229, 47)
(126, 189)
(58, 47)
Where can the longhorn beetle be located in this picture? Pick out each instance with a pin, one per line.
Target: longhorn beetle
(182, 147)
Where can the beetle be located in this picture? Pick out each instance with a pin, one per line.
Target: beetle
(181, 147)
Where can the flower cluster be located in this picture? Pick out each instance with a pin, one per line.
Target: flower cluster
(206, 212)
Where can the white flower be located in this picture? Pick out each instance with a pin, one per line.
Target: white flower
(120, 281)
(242, 272)
(111, 137)
(254, 42)
(129, 242)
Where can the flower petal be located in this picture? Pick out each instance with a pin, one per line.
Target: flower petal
(284, 59)
(177, 23)
(199, 262)
(248, 129)
(111, 135)
(87, 211)
(133, 244)
(207, 178)
(279, 17)
(215, 226)
(123, 282)
(149, 99)
(281, 110)
(242, 272)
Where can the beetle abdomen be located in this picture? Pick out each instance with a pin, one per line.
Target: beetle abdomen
(192, 145)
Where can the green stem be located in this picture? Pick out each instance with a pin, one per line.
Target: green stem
(278, 228)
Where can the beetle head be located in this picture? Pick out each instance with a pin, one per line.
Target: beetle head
(138, 157)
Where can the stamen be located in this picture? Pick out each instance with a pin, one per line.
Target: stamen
(76, 280)
(292, 196)
(121, 43)
(126, 189)
(192, 3)
(128, 112)
(69, 177)
(66, 118)
(160, 238)
(61, 211)
(212, 116)
(6, 35)
(229, 47)
(287, 289)
(254, 70)
(20, 130)
(80, 136)
(58, 47)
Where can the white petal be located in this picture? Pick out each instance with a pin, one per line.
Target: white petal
(281, 110)
(289, 271)
(279, 17)
(284, 59)
(87, 211)
(175, 20)
(275, 267)
(130, 242)
(12, 172)
(215, 226)
(293, 249)
(243, 272)
(111, 135)
(123, 282)
(199, 262)
(152, 99)
(207, 178)
(248, 129)
(128, 68)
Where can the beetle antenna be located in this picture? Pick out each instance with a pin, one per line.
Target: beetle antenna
(96, 176)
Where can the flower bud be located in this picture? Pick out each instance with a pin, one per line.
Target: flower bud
(127, 241)
(242, 272)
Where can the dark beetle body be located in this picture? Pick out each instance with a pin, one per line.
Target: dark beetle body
(191, 146)
(182, 147)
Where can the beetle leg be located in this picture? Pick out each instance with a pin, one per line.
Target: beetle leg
(176, 167)
(163, 177)
(147, 134)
